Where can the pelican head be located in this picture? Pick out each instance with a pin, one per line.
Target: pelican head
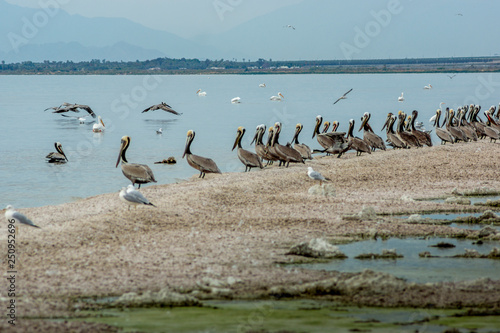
(198, 90)
(239, 135)
(189, 138)
(364, 120)
(58, 146)
(299, 127)
(387, 121)
(326, 126)
(319, 120)
(125, 142)
(260, 129)
(270, 135)
(277, 126)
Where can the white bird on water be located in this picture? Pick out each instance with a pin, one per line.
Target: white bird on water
(236, 100)
(99, 126)
(131, 196)
(159, 131)
(314, 175)
(11, 214)
(278, 98)
(401, 98)
(201, 93)
(262, 85)
(428, 87)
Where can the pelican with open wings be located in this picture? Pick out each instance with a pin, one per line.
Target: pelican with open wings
(162, 106)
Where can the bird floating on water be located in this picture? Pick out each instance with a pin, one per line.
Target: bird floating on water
(12, 214)
(201, 93)
(131, 196)
(99, 126)
(236, 100)
(401, 98)
(159, 131)
(428, 87)
(315, 175)
(278, 97)
(344, 96)
(162, 106)
(58, 156)
(262, 85)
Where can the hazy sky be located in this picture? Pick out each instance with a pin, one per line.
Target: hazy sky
(185, 18)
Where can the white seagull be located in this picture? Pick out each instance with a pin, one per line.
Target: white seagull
(11, 214)
(344, 96)
(99, 126)
(201, 93)
(401, 98)
(236, 100)
(279, 98)
(314, 175)
(159, 131)
(131, 196)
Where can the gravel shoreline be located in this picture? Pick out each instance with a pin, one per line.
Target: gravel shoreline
(240, 225)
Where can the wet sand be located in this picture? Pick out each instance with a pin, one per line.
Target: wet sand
(240, 226)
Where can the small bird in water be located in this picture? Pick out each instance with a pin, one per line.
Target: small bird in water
(314, 175)
(58, 156)
(131, 196)
(159, 131)
(11, 214)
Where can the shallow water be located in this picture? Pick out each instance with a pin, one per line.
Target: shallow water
(411, 266)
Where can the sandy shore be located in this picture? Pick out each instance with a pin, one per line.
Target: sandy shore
(236, 225)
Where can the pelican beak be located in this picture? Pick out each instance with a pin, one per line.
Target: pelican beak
(363, 122)
(120, 154)
(282, 95)
(188, 140)
(316, 128)
(238, 136)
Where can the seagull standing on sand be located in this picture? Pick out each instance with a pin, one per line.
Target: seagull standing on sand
(314, 175)
(131, 196)
(11, 214)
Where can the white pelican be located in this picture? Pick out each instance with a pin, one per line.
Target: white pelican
(262, 85)
(99, 126)
(428, 87)
(278, 98)
(159, 131)
(314, 175)
(201, 93)
(344, 96)
(11, 214)
(236, 100)
(58, 156)
(401, 98)
(131, 196)
(162, 106)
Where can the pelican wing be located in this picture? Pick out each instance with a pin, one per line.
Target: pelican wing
(138, 173)
(249, 159)
(203, 164)
(168, 108)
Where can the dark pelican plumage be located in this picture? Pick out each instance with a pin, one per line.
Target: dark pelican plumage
(162, 106)
(287, 154)
(332, 142)
(359, 145)
(58, 156)
(464, 125)
(202, 164)
(423, 137)
(441, 133)
(249, 159)
(372, 139)
(303, 149)
(409, 139)
(492, 132)
(392, 137)
(457, 133)
(137, 173)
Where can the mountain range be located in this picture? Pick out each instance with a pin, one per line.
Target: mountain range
(322, 29)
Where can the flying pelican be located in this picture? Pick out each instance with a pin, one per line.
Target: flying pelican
(159, 131)
(162, 106)
(131, 196)
(262, 85)
(428, 87)
(372, 139)
(11, 214)
(285, 153)
(99, 126)
(137, 173)
(359, 145)
(278, 98)
(57, 157)
(60, 107)
(65, 107)
(344, 96)
(303, 149)
(201, 93)
(236, 100)
(315, 175)
(401, 98)
(451, 76)
(249, 159)
(202, 164)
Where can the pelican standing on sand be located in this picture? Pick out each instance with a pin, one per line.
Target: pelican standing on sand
(392, 137)
(359, 145)
(202, 164)
(57, 157)
(137, 173)
(372, 139)
(424, 138)
(249, 159)
(131, 196)
(332, 142)
(11, 214)
(314, 175)
(303, 149)
(441, 133)
(285, 153)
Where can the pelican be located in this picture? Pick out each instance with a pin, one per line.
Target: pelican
(201, 93)
(270, 150)
(392, 137)
(401, 98)
(303, 149)
(13, 216)
(492, 132)
(57, 157)
(372, 139)
(315, 175)
(286, 154)
(428, 87)
(162, 106)
(332, 142)
(65, 107)
(467, 128)
(159, 131)
(131, 196)
(476, 123)
(202, 164)
(344, 96)
(456, 132)
(137, 173)
(408, 138)
(249, 159)
(236, 100)
(442, 133)
(260, 149)
(99, 126)
(359, 145)
(423, 137)
(262, 85)
(278, 98)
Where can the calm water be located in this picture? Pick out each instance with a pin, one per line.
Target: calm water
(28, 134)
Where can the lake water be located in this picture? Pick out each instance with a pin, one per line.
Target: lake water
(28, 133)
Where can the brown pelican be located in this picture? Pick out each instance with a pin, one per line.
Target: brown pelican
(423, 137)
(392, 137)
(492, 132)
(372, 139)
(249, 159)
(332, 142)
(286, 154)
(478, 124)
(359, 145)
(442, 133)
(409, 139)
(457, 133)
(303, 149)
(270, 149)
(260, 149)
(344, 96)
(467, 128)
(202, 164)
(162, 106)
(326, 126)
(65, 107)
(58, 156)
(137, 173)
